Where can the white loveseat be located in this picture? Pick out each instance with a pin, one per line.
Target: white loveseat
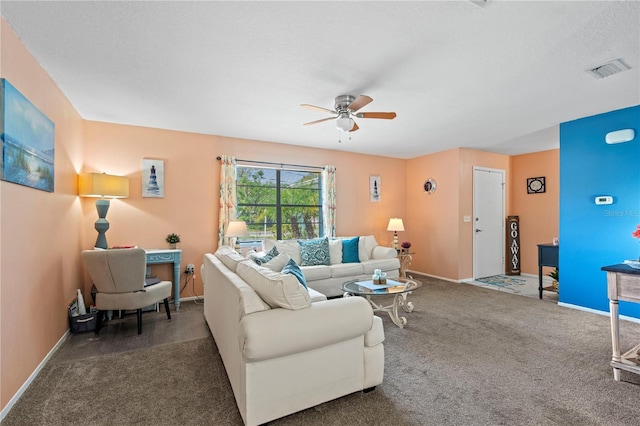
(328, 279)
(286, 348)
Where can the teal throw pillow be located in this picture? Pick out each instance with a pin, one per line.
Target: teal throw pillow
(267, 257)
(314, 252)
(350, 250)
(292, 268)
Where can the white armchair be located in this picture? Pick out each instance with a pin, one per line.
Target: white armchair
(119, 277)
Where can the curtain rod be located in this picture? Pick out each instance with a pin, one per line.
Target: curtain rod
(276, 164)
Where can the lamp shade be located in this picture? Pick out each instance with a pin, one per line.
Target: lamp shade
(103, 185)
(395, 224)
(237, 228)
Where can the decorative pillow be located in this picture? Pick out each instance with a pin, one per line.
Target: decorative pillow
(291, 247)
(335, 251)
(350, 250)
(267, 257)
(314, 252)
(278, 262)
(292, 268)
(278, 290)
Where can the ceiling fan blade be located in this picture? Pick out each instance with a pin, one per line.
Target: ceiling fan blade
(360, 101)
(319, 121)
(317, 108)
(355, 127)
(384, 115)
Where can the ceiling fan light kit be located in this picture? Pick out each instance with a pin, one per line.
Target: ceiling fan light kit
(345, 109)
(345, 123)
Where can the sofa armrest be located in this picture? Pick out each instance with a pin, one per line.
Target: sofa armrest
(281, 332)
(381, 252)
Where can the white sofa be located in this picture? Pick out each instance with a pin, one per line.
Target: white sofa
(328, 279)
(286, 348)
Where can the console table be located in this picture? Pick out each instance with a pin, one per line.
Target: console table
(547, 256)
(156, 256)
(623, 283)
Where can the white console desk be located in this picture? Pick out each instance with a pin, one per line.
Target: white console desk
(623, 283)
(156, 256)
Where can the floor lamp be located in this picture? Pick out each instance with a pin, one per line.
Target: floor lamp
(103, 186)
(395, 225)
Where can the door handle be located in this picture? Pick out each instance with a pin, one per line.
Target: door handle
(478, 230)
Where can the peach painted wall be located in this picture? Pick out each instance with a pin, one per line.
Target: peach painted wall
(539, 213)
(442, 242)
(40, 266)
(190, 206)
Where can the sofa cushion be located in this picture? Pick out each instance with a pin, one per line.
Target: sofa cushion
(365, 246)
(383, 264)
(229, 257)
(350, 250)
(291, 247)
(335, 251)
(267, 257)
(278, 290)
(346, 270)
(315, 273)
(316, 296)
(314, 252)
(278, 262)
(292, 268)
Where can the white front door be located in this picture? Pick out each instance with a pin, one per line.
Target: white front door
(488, 222)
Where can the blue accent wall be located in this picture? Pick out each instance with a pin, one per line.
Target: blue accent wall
(592, 236)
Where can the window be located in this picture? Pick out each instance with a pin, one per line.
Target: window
(279, 204)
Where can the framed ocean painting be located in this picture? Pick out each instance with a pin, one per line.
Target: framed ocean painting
(27, 138)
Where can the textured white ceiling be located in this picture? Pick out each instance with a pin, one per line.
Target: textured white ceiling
(498, 78)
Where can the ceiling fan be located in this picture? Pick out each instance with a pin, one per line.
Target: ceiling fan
(345, 109)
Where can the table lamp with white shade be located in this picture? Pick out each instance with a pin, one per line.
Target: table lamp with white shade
(103, 186)
(236, 229)
(395, 225)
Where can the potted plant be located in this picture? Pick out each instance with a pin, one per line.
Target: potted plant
(173, 239)
(406, 245)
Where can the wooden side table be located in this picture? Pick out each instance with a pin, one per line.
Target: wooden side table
(623, 283)
(405, 261)
(547, 256)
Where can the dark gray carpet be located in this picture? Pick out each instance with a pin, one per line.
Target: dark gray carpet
(468, 356)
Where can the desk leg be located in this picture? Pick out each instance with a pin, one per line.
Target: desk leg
(615, 336)
(540, 281)
(176, 285)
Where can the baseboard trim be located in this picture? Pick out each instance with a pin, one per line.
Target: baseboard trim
(187, 299)
(27, 383)
(597, 312)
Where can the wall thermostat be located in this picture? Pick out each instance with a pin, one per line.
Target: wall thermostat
(604, 199)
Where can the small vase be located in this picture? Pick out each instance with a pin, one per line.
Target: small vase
(172, 245)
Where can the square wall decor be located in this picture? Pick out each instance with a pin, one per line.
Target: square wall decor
(152, 178)
(27, 139)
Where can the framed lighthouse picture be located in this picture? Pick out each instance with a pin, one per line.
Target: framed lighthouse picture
(152, 178)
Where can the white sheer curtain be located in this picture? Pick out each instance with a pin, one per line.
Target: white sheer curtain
(228, 195)
(329, 200)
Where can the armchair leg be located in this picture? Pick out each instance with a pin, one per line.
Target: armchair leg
(139, 315)
(99, 321)
(166, 308)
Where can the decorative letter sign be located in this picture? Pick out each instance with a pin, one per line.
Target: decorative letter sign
(513, 245)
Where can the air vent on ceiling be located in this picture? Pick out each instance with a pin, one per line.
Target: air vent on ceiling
(608, 69)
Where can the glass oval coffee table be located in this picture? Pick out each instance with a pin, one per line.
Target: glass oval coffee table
(399, 287)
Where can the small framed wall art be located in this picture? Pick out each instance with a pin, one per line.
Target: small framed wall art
(374, 189)
(536, 185)
(152, 178)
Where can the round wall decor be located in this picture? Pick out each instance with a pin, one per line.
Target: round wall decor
(430, 186)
